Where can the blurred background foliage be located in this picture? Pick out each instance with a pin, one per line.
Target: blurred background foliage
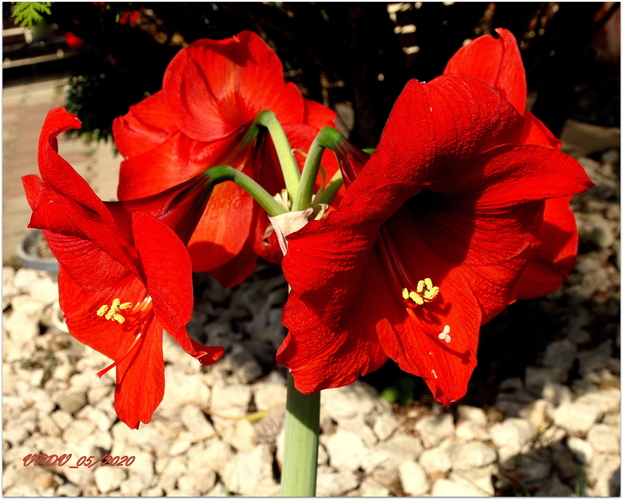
(354, 57)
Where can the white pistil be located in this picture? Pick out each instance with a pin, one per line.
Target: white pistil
(445, 334)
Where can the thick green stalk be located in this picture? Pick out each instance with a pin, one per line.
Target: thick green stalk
(332, 188)
(327, 138)
(287, 161)
(222, 173)
(300, 457)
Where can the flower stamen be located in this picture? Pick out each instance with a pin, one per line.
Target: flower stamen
(445, 334)
(112, 313)
(424, 292)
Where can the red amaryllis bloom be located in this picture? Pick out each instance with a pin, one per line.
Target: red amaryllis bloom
(124, 272)
(427, 243)
(212, 92)
(497, 61)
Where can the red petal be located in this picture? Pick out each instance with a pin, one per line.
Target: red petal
(321, 354)
(223, 229)
(433, 132)
(92, 251)
(56, 171)
(214, 87)
(169, 164)
(140, 378)
(549, 269)
(495, 61)
(535, 132)
(508, 174)
(167, 272)
(319, 116)
(80, 309)
(146, 125)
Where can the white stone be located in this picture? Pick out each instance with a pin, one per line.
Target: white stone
(358, 426)
(250, 472)
(196, 422)
(181, 389)
(228, 401)
(472, 455)
(383, 459)
(18, 480)
(346, 450)
(271, 393)
(477, 479)
(78, 431)
(385, 425)
(554, 488)
(108, 479)
(348, 401)
(45, 290)
(581, 449)
(246, 367)
(605, 472)
(22, 327)
(241, 435)
(446, 488)
(48, 427)
(576, 418)
(432, 429)
(539, 377)
(71, 402)
(513, 435)
(370, 488)
(29, 306)
(135, 484)
(413, 478)
(436, 460)
(332, 483)
(68, 490)
(595, 359)
(539, 413)
(25, 278)
(101, 419)
(557, 393)
(607, 400)
(605, 438)
(8, 290)
(560, 354)
(214, 452)
(197, 482)
(467, 431)
(473, 414)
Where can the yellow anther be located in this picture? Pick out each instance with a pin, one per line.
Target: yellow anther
(405, 295)
(112, 313)
(416, 298)
(425, 292)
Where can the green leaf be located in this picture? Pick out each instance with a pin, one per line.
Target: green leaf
(27, 14)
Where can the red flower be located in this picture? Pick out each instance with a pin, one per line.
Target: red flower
(130, 18)
(124, 272)
(73, 42)
(212, 92)
(497, 61)
(426, 245)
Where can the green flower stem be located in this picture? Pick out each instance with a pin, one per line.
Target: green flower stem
(300, 457)
(287, 161)
(332, 188)
(327, 138)
(224, 173)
